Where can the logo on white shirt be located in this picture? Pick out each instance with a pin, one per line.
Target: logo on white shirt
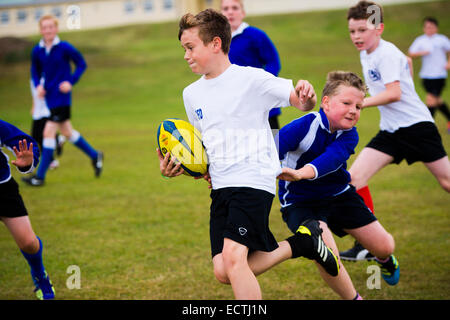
(199, 113)
(374, 75)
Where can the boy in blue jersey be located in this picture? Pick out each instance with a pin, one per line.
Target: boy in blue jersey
(52, 76)
(13, 212)
(251, 47)
(314, 150)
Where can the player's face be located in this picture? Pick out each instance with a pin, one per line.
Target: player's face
(364, 35)
(234, 12)
(197, 54)
(343, 108)
(429, 28)
(48, 30)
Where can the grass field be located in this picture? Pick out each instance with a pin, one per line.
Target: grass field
(135, 235)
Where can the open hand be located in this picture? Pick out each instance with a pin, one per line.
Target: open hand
(24, 156)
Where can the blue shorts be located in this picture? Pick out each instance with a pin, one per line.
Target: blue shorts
(344, 211)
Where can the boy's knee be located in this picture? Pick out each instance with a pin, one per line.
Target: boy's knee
(386, 247)
(221, 275)
(29, 245)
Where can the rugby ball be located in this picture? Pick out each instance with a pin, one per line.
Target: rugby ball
(184, 142)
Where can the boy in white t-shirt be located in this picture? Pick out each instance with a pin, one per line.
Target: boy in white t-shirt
(230, 104)
(434, 50)
(407, 129)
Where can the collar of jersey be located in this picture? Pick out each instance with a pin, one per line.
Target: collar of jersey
(240, 29)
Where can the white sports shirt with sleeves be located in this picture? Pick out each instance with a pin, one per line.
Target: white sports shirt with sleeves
(433, 64)
(231, 112)
(385, 65)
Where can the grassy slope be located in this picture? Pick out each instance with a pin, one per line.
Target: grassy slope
(137, 236)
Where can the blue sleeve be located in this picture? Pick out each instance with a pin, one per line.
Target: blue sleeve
(36, 69)
(336, 154)
(80, 63)
(10, 137)
(290, 136)
(269, 54)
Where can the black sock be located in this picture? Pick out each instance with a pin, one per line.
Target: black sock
(432, 110)
(444, 109)
(301, 245)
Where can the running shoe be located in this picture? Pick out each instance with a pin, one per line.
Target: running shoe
(390, 270)
(357, 253)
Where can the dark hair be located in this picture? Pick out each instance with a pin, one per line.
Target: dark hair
(210, 24)
(432, 20)
(364, 10)
(337, 78)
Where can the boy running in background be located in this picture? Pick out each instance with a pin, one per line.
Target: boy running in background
(407, 129)
(434, 50)
(13, 212)
(229, 105)
(52, 77)
(314, 150)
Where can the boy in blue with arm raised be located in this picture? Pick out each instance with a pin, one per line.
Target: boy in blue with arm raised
(53, 78)
(314, 150)
(13, 212)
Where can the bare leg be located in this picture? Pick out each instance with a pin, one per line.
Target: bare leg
(441, 170)
(341, 284)
(22, 232)
(366, 165)
(374, 238)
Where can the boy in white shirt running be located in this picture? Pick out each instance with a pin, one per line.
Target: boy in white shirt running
(407, 129)
(230, 105)
(434, 50)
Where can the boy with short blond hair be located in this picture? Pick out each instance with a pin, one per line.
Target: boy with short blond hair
(314, 150)
(230, 104)
(407, 129)
(52, 76)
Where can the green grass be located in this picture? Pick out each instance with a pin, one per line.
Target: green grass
(135, 235)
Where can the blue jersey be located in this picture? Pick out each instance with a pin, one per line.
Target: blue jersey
(9, 137)
(54, 67)
(253, 48)
(308, 140)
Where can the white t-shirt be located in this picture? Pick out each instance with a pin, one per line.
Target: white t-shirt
(385, 65)
(231, 112)
(433, 64)
(40, 106)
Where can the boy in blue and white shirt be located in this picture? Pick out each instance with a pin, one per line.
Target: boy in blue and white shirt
(13, 212)
(53, 79)
(315, 185)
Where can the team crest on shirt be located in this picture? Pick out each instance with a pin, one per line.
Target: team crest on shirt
(199, 113)
(374, 75)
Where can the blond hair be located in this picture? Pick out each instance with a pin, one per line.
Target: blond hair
(335, 79)
(48, 17)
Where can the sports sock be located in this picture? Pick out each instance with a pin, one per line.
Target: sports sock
(383, 260)
(48, 148)
(301, 244)
(83, 145)
(432, 110)
(364, 192)
(445, 111)
(35, 261)
(357, 297)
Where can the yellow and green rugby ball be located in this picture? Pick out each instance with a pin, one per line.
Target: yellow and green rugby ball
(184, 142)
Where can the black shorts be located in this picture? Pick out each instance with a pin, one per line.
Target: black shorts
(345, 211)
(60, 114)
(37, 130)
(242, 215)
(419, 142)
(434, 86)
(11, 201)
